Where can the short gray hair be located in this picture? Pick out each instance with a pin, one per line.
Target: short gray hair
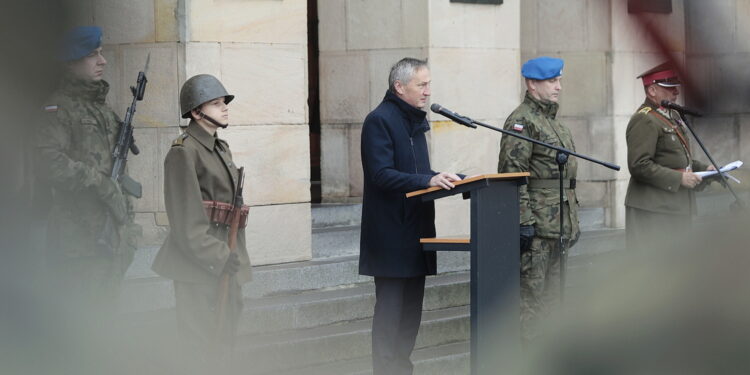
(403, 71)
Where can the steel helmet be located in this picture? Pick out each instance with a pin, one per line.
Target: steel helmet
(200, 89)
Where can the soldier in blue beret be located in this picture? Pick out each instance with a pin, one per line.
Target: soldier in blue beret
(536, 117)
(74, 147)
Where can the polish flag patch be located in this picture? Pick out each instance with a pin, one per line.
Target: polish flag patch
(50, 108)
(518, 127)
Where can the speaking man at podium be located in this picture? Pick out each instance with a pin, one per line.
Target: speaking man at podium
(395, 161)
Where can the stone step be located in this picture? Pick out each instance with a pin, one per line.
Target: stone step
(153, 293)
(277, 351)
(143, 290)
(447, 359)
(325, 307)
(333, 242)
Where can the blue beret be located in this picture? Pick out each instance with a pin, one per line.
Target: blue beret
(542, 68)
(80, 41)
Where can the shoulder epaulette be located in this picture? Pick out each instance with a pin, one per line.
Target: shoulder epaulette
(645, 110)
(179, 140)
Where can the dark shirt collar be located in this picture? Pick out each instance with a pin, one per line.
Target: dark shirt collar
(201, 135)
(412, 113)
(545, 106)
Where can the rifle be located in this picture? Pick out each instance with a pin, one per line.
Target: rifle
(109, 238)
(237, 203)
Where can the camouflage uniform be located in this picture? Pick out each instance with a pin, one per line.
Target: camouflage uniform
(75, 156)
(540, 199)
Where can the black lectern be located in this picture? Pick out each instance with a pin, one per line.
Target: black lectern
(495, 265)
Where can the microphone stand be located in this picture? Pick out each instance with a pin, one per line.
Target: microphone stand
(737, 201)
(561, 158)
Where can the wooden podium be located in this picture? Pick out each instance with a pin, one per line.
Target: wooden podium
(495, 265)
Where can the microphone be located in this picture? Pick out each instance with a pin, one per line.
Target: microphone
(463, 120)
(681, 109)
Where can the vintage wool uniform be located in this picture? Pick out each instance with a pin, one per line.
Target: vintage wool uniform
(658, 152)
(75, 160)
(198, 168)
(540, 201)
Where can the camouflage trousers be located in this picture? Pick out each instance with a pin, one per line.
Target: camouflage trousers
(540, 284)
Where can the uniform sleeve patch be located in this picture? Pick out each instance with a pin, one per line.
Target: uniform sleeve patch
(518, 127)
(50, 108)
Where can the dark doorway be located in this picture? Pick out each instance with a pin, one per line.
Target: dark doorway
(313, 100)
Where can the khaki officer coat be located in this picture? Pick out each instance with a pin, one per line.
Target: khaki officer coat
(198, 167)
(655, 153)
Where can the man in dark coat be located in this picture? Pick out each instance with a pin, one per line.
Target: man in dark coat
(395, 160)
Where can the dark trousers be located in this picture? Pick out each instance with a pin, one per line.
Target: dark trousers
(398, 313)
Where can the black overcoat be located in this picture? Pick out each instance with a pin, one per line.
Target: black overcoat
(395, 161)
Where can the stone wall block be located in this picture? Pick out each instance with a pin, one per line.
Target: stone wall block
(202, 58)
(731, 77)
(592, 194)
(268, 82)
(113, 76)
(742, 14)
(560, 25)
(276, 161)
(129, 21)
(160, 104)
(620, 125)
(374, 24)
(529, 26)
(474, 25)
(453, 217)
(721, 137)
(579, 128)
(602, 146)
(344, 89)
(167, 25)
(165, 136)
(415, 23)
(459, 75)
(334, 163)
(599, 25)
(712, 26)
(144, 168)
(332, 25)
(456, 149)
(628, 34)
(585, 84)
(282, 22)
(279, 233)
(744, 137)
(153, 233)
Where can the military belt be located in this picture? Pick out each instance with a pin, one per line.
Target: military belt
(550, 183)
(221, 213)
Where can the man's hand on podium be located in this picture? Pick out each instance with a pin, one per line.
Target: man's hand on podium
(444, 180)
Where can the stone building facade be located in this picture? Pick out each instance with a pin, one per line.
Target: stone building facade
(259, 49)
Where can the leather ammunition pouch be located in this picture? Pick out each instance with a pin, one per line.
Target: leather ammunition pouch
(221, 213)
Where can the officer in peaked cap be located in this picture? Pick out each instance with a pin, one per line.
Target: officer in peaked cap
(660, 198)
(536, 117)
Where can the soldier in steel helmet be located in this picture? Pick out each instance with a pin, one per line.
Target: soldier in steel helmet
(660, 199)
(200, 179)
(536, 118)
(75, 147)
